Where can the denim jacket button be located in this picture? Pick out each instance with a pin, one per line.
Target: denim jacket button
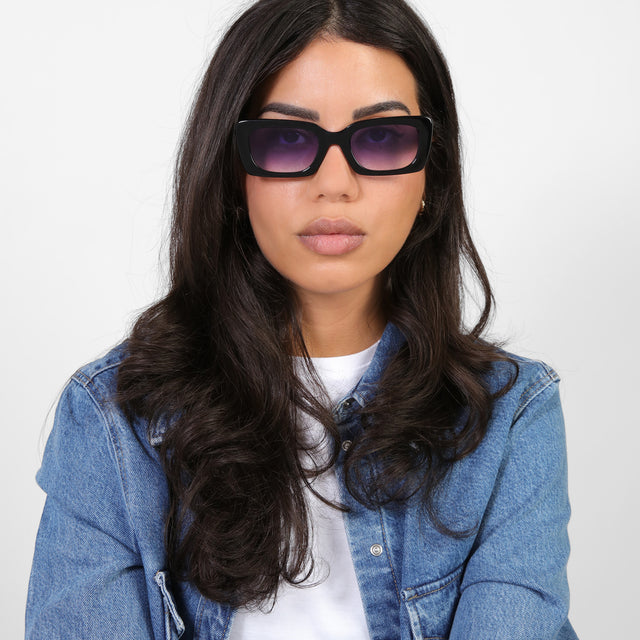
(376, 549)
(348, 403)
(346, 445)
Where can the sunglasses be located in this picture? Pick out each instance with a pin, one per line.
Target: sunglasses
(296, 148)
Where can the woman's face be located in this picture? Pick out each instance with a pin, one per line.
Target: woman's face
(294, 220)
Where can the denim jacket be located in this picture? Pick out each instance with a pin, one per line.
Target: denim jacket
(99, 569)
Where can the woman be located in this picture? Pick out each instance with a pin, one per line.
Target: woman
(301, 438)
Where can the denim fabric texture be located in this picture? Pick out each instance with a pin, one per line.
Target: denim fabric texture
(99, 568)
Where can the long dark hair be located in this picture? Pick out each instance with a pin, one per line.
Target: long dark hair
(213, 356)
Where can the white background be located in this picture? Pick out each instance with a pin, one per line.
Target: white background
(93, 96)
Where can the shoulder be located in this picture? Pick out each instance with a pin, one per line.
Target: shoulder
(88, 403)
(523, 448)
(96, 456)
(100, 377)
(92, 391)
(522, 379)
(526, 412)
(89, 422)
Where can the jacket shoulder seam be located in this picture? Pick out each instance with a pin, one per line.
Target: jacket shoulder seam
(86, 379)
(536, 388)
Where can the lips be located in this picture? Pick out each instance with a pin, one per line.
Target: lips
(329, 237)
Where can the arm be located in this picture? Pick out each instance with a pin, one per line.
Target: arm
(515, 584)
(87, 579)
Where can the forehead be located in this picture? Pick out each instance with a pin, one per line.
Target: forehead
(336, 77)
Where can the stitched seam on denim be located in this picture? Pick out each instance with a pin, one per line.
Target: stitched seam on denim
(89, 378)
(94, 394)
(534, 390)
(199, 617)
(81, 379)
(386, 546)
(548, 373)
(226, 626)
(510, 583)
(428, 593)
(359, 398)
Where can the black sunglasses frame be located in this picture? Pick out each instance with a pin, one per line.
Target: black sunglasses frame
(326, 139)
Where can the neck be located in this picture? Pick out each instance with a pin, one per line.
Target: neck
(340, 324)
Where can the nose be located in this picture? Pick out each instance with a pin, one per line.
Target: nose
(335, 180)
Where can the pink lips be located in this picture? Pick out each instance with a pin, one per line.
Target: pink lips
(329, 237)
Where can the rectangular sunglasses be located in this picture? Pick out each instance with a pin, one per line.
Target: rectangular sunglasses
(296, 148)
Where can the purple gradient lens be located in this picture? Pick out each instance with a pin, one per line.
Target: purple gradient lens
(385, 147)
(283, 149)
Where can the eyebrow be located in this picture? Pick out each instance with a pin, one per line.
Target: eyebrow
(310, 114)
(379, 107)
(290, 110)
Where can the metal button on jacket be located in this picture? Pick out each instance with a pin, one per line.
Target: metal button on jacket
(376, 549)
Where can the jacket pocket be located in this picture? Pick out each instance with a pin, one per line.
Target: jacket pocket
(431, 606)
(173, 623)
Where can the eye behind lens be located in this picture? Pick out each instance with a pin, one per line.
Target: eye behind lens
(385, 147)
(283, 149)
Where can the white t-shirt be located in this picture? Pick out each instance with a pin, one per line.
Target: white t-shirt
(332, 607)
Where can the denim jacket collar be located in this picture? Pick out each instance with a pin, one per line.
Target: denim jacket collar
(390, 342)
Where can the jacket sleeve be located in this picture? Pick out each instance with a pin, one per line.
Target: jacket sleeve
(87, 580)
(515, 584)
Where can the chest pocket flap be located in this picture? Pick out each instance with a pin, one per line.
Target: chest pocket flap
(431, 606)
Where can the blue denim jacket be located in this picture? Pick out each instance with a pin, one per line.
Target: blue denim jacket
(99, 569)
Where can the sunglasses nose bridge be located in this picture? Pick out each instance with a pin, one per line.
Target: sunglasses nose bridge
(334, 178)
(334, 139)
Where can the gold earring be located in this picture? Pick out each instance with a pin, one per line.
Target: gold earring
(423, 205)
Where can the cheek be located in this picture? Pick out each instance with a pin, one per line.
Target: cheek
(414, 193)
(400, 200)
(261, 203)
(269, 216)
(397, 209)
(415, 186)
(271, 191)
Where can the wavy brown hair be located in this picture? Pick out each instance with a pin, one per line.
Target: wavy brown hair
(212, 357)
